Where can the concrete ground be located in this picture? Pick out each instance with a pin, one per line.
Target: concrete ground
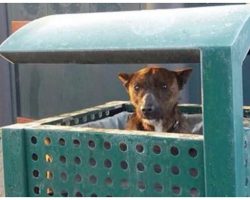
(2, 194)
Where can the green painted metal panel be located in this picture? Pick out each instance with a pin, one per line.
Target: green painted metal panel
(82, 165)
(61, 160)
(79, 37)
(2, 192)
(246, 161)
(222, 104)
(15, 164)
(68, 161)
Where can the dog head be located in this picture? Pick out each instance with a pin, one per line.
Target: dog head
(154, 91)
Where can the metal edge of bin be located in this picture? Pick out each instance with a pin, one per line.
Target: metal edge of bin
(14, 161)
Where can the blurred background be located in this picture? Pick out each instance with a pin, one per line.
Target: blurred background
(40, 90)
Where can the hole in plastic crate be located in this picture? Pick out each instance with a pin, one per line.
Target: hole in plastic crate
(78, 194)
(157, 168)
(63, 176)
(84, 119)
(108, 195)
(93, 195)
(100, 114)
(124, 164)
(92, 179)
(34, 157)
(194, 192)
(78, 178)
(77, 160)
(140, 167)
(176, 189)
(123, 146)
(47, 141)
(92, 162)
(108, 163)
(246, 162)
(64, 193)
(50, 191)
(36, 190)
(246, 181)
(245, 144)
(91, 144)
(141, 185)
(192, 152)
(76, 142)
(108, 181)
(33, 140)
(62, 159)
(49, 174)
(92, 117)
(76, 121)
(156, 149)
(48, 158)
(139, 148)
(107, 145)
(61, 141)
(35, 173)
(158, 187)
(107, 113)
(67, 122)
(174, 151)
(124, 183)
(175, 170)
(193, 172)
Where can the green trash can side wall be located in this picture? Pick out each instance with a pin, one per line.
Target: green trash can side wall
(15, 163)
(56, 132)
(240, 49)
(246, 161)
(34, 134)
(186, 184)
(223, 128)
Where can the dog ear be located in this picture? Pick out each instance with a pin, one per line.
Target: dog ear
(182, 76)
(125, 78)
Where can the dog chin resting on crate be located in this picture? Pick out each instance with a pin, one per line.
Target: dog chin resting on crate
(154, 93)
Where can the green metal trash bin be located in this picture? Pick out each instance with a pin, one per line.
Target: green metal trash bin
(45, 159)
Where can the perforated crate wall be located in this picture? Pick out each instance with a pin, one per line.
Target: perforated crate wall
(76, 163)
(52, 160)
(45, 159)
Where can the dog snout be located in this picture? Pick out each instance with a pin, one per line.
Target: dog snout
(149, 104)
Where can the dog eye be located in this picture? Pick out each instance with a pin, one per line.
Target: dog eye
(164, 86)
(136, 87)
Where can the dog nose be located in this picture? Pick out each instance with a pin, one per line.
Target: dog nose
(147, 109)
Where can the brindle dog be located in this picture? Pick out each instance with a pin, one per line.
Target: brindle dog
(154, 93)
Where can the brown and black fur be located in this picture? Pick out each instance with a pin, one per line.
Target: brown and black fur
(154, 93)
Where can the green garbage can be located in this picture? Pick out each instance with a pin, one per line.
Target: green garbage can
(51, 157)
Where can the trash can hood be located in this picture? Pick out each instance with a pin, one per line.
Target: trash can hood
(126, 36)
